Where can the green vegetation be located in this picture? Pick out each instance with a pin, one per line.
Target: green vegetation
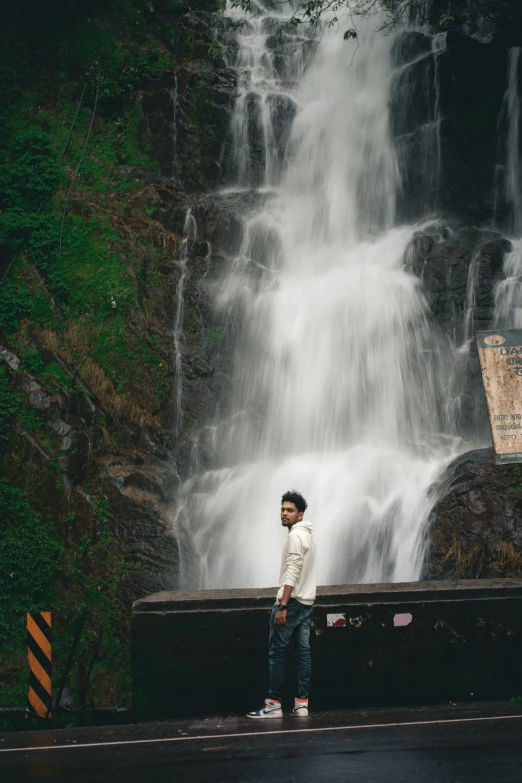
(8, 405)
(74, 246)
(28, 564)
(66, 570)
(56, 554)
(70, 113)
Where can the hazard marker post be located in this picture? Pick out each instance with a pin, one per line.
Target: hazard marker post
(39, 655)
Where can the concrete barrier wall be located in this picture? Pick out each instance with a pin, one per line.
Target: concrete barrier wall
(203, 653)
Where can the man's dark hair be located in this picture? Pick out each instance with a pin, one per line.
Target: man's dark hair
(296, 498)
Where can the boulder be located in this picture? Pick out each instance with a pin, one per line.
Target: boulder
(475, 528)
(10, 358)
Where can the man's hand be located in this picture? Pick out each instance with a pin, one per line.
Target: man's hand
(280, 618)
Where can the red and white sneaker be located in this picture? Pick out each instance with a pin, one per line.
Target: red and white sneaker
(272, 709)
(300, 708)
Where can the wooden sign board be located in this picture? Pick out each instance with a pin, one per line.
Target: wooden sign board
(500, 355)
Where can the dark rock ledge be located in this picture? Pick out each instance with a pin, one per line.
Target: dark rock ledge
(475, 529)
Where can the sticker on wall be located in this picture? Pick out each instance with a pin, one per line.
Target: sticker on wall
(400, 620)
(335, 620)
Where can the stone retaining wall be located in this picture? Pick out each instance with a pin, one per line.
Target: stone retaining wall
(205, 653)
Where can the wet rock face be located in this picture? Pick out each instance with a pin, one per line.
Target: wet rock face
(186, 116)
(185, 113)
(445, 110)
(140, 495)
(409, 46)
(413, 91)
(475, 529)
(444, 259)
(156, 129)
(282, 111)
(460, 268)
(472, 85)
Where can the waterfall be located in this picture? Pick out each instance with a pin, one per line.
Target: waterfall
(415, 95)
(513, 181)
(508, 171)
(340, 376)
(439, 44)
(190, 232)
(508, 294)
(473, 273)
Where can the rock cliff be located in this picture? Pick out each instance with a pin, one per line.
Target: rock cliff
(450, 124)
(476, 530)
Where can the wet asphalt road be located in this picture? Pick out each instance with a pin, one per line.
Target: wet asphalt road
(455, 744)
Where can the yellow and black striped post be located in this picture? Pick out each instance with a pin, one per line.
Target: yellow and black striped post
(39, 699)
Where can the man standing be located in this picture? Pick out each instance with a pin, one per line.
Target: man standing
(292, 613)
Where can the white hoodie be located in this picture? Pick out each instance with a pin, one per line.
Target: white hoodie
(299, 564)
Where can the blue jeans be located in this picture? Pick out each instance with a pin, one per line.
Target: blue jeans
(298, 619)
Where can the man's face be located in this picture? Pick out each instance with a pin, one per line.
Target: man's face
(289, 514)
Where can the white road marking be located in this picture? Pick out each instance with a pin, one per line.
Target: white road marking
(260, 733)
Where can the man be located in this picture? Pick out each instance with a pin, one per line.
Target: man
(292, 614)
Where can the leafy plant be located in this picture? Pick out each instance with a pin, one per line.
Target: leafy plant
(54, 372)
(28, 561)
(14, 304)
(36, 173)
(29, 419)
(215, 49)
(32, 360)
(314, 13)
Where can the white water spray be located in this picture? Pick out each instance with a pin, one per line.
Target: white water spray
(339, 375)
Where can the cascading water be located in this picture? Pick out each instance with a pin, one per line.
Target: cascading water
(438, 46)
(415, 93)
(508, 295)
(513, 167)
(189, 231)
(339, 374)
